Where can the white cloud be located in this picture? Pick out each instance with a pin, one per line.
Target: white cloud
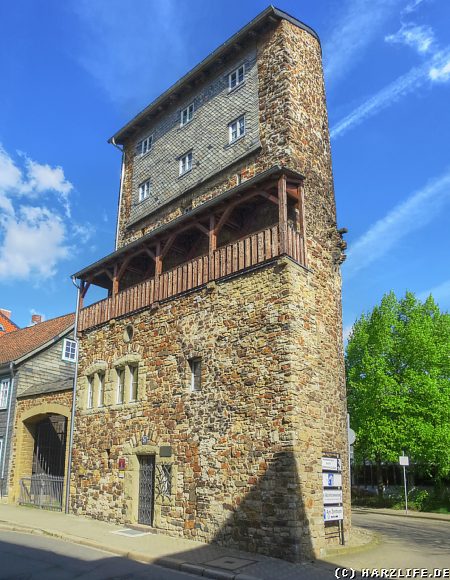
(392, 93)
(34, 239)
(359, 24)
(121, 47)
(346, 332)
(412, 6)
(440, 293)
(33, 243)
(441, 73)
(412, 214)
(420, 38)
(10, 174)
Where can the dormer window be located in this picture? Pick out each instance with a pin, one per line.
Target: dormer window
(236, 78)
(146, 144)
(186, 163)
(187, 114)
(144, 190)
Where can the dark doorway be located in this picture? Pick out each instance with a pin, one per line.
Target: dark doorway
(50, 446)
(146, 489)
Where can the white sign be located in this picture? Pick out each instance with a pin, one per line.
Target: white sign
(332, 463)
(404, 460)
(331, 514)
(332, 496)
(332, 479)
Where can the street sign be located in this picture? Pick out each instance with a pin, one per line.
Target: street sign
(331, 496)
(331, 463)
(332, 479)
(404, 460)
(333, 513)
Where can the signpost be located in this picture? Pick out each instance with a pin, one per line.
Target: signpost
(333, 508)
(404, 461)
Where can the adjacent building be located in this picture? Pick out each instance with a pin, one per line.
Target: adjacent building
(37, 369)
(6, 324)
(211, 378)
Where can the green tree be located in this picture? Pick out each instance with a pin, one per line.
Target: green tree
(398, 383)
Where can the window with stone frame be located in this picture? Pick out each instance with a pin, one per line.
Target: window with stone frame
(195, 366)
(133, 374)
(120, 385)
(101, 389)
(90, 392)
(4, 391)
(164, 479)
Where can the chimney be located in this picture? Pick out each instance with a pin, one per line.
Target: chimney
(36, 319)
(6, 313)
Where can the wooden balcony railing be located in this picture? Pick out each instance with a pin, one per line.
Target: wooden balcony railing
(240, 255)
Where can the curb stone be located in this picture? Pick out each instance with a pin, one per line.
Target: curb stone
(165, 561)
(416, 516)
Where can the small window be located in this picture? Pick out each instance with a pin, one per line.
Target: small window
(120, 385)
(144, 190)
(146, 144)
(195, 365)
(187, 114)
(236, 129)
(236, 78)
(133, 383)
(4, 390)
(186, 163)
(90, 393)
(69, 350)
(101, 389)
(1, 449)
(165, 479)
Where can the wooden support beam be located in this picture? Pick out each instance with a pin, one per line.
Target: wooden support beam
(115, 284)
(212, 245)
(282, 213)
(158, 270)
(202, 228)
(300, 209)
(169, 242)
(269, 196)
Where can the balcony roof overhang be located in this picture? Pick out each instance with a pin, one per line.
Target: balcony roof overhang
(270, 14)
(157, 233)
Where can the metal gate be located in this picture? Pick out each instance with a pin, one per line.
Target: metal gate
(44, 488)
(146, 489)
(44, 491)
(50, 446)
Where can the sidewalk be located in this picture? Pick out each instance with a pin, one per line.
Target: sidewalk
(188, 556)
(401, 513)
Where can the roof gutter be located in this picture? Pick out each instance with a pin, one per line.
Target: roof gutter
(74, 399)
(8, 421)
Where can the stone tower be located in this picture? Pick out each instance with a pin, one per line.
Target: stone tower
(211, 379)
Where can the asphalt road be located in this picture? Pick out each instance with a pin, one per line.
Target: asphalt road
(406, 543)
(27, 556)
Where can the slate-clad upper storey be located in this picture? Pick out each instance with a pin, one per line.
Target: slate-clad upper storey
(206, 135)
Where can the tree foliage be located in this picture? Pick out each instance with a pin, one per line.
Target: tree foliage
(398, 383)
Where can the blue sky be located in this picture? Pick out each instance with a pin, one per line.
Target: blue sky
(74, 72)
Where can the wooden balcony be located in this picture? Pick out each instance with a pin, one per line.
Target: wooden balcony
(238, 256)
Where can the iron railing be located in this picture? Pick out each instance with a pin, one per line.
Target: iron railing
(43, 491)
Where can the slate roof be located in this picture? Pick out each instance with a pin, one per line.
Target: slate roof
(52, 387)
(7, 324)
(14, 345)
